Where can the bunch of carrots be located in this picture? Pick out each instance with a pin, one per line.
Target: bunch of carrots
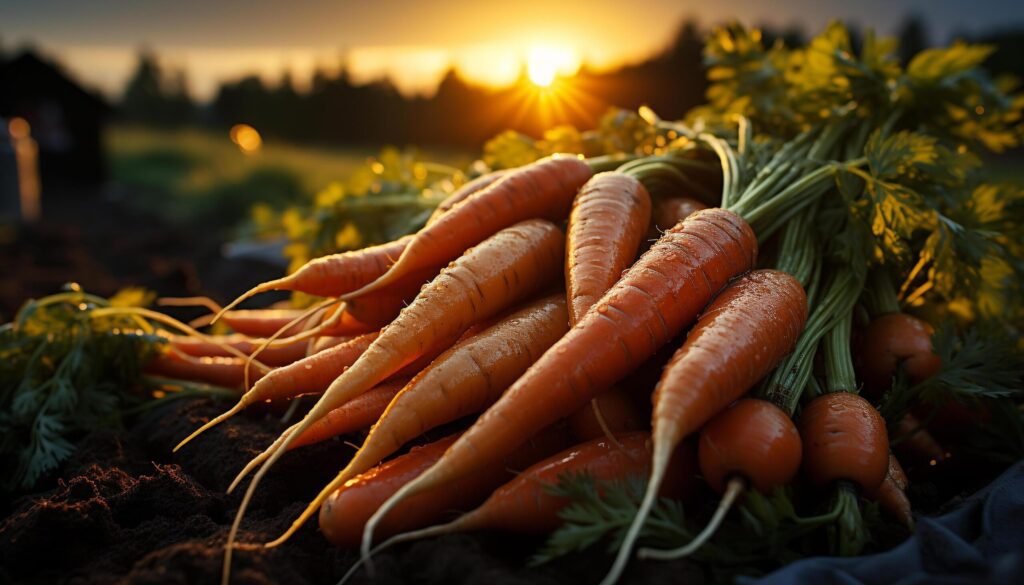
(533, 296)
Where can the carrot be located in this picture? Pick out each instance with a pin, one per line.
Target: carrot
(917, 443)
(503, 270)
(659, 296)
(338, 418)
(330, 276)
(610, 413)
(329, 341)
(753, 442)
(668, 211)
(359, 413)
(263, 322)
(544, 189)
(308, 375)
(844, 439)
(478, 184)
(741, 336)
(371, 312)
(525, 505)
(465, 379)
(606, 226)
(892, 340)
(276, 356)
(891, 494)
(228, 372)
(345, 512)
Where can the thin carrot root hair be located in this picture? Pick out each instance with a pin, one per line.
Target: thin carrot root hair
(405, 491)
(732, 492)
(659, 466)
(205, 302)
(259, 288)
(183, 327)
(601, 422)
(308, 314)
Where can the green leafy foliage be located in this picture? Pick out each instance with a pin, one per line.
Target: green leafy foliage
(762, 533)
(63, 372)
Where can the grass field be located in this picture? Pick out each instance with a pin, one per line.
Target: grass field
(200, 177)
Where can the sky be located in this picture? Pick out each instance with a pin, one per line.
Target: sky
(415, 41)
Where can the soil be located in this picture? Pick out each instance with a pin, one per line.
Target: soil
(126, 510)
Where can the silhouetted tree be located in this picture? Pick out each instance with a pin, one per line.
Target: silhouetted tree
(913, 37)
(153, 98)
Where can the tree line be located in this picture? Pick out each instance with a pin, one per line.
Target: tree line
(337, 110)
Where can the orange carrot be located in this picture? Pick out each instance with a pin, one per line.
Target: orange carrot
(611, 412)
(371, 312)
(344, 513)
(844, 439)
(891, 494)
(524, 504)
(544, 189)
(752, 443)
(359, 413)
(607, 223)
(606, 226)
(669, 211)
(741, 336)
(276, 356)
(503, 270)
(228, 372)
(330, 276)
(309, 375)
(892, 340)
(478, 184)
(329, 341)
(659, 296)
(263, 322)
(465, 379)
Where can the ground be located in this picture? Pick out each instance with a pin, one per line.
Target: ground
(126, 510)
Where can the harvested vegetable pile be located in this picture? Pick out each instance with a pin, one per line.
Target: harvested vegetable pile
(732, 337)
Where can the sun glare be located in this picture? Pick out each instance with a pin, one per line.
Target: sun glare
(545, 64)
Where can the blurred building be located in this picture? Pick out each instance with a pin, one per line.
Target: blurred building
(65, 121)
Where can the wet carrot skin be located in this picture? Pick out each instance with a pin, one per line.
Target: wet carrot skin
(346, 511)
(607, 223)
(337, 274)
(315, 373)
(844, 437)
(478, 184)
(659, 296)
(523, 505)
(355, 415)
(752, 439)
(750, 327)
(544, 189)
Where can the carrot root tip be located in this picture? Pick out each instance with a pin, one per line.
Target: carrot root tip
(732, 492)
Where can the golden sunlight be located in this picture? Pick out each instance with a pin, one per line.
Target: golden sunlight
(544, 64)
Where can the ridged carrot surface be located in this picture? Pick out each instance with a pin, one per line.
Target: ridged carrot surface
(653, 302)
(544, 189)
(608, 221)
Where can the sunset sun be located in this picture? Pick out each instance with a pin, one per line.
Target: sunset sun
(545, 64)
